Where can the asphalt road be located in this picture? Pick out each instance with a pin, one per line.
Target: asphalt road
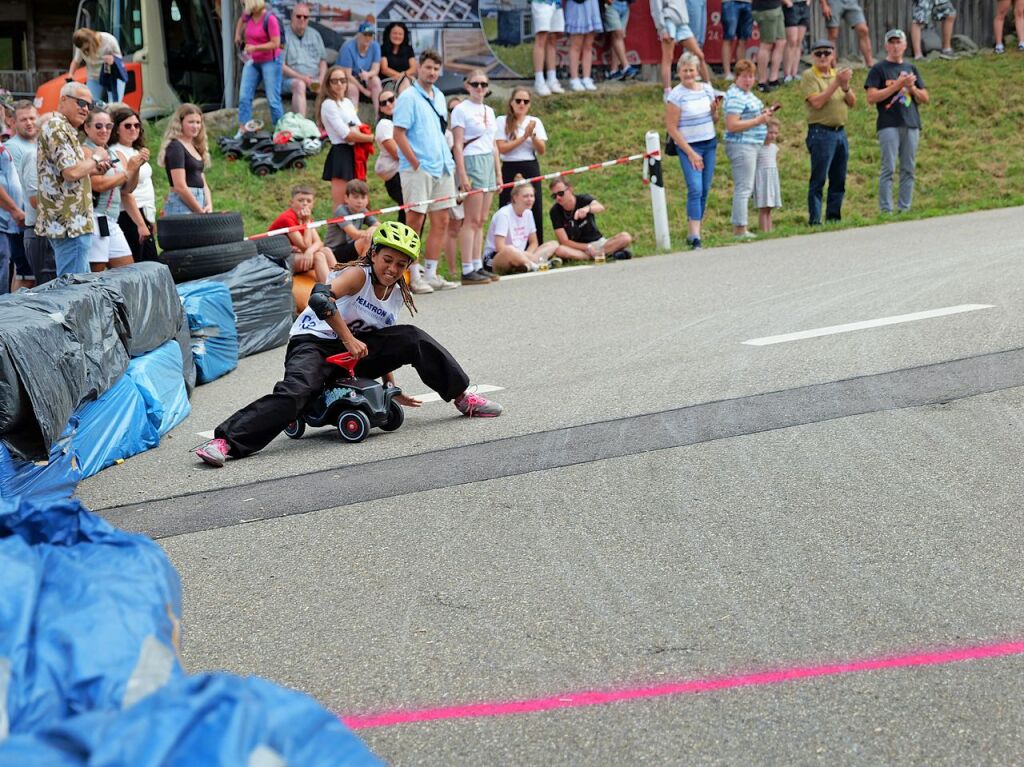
(660, 503)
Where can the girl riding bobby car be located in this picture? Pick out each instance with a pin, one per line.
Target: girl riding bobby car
(358, 313)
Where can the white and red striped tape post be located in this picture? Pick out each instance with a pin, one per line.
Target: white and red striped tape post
(458, 197)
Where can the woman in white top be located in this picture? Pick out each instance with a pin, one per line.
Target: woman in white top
(691, 110)
(96, 50)
(512, 237)
(521, 139)
(336, 115)
(138, 212)
(476, 163)
(386, 166)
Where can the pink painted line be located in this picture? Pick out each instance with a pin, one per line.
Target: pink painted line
(602, 697)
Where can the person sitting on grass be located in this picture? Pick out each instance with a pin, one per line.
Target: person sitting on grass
(511, 244)
(572, 218)
(357, 313)
(349, 240)
(308, 250)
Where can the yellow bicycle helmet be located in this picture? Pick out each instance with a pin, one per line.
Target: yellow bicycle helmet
(392, 234)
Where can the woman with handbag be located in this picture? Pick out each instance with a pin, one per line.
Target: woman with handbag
(691, 111)
(101, 54)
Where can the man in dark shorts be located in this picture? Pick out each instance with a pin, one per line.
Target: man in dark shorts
(572, 218)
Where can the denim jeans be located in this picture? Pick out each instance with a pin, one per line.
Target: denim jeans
(902, 143)
(99, 94)
(743, 158)
(698, 182)
(698, 12)
(175, 206)
(270, 73)
(72, 254)
(830, 152)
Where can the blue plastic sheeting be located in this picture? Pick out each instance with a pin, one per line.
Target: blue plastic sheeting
(211, 321)
(158, 376)
(117, 425)
(207, 720)
(54, 480)
(90, 615)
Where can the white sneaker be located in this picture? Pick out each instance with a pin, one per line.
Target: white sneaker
(554, 86)
(730, 77)
(588, 83)
(576, 85)
(437, 282)
(540, 87)
(420, 286)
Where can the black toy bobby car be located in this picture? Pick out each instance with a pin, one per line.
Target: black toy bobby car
(275, 157)
(249, 142)
(351, 403)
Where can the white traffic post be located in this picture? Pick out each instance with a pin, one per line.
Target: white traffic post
(657, 184)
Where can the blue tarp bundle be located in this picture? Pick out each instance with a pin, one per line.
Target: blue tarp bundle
(158, 376)
(90, 615)
(206, 720)
(54, 480)
(113, 427)
(211, 321)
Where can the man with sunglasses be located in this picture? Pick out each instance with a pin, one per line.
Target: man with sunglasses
(572, 218)
(828, 96)
(304, 62)
(65, 194)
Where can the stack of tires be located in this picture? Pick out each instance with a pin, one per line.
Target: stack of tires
(200, 245)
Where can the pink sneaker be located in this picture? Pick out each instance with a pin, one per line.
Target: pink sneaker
(214, 452)
(476, 406)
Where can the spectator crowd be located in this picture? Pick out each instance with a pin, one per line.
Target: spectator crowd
(76, 191)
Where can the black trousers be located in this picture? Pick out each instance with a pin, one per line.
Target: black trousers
(394, 187)
(306, 370)
(141, 251)
(527, 169)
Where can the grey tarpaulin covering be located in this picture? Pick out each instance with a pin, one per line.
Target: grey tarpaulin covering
(67, 346)
(13, 399)
(261, 293)
(188, 362)
(146, 293)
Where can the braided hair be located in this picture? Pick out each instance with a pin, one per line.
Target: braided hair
(367, 260)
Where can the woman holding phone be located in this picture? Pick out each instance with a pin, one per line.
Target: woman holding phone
(746, 125)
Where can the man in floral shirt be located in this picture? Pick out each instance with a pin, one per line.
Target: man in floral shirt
(65, 194)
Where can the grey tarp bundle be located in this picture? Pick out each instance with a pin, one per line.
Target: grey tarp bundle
(188, 362)
(146, 293)
(67, 345)
(261, 294)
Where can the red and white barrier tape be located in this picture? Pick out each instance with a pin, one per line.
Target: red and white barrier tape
(458, 197)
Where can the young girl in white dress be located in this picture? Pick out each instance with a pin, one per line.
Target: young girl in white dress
(767, 190)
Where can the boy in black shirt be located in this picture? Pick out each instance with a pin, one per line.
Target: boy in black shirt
(572, 218)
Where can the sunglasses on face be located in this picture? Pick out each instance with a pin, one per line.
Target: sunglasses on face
(823, 53)
(131, 126)
(385, 102)
(521, 101)
(558, 195)
(301, 16)
(338, 80)
(82, 103)
(102, 126)
(478, 84)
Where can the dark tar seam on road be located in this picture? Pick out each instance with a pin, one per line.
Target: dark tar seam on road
(570, 446)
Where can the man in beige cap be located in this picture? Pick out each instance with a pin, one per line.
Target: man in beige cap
(895, 87)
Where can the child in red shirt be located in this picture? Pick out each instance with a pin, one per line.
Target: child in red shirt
(308, 249)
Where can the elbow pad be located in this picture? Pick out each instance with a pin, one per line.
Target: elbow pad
(321, 301)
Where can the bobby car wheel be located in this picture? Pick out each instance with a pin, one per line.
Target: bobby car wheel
(353, 425)
(396, 417)
(295, 429)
